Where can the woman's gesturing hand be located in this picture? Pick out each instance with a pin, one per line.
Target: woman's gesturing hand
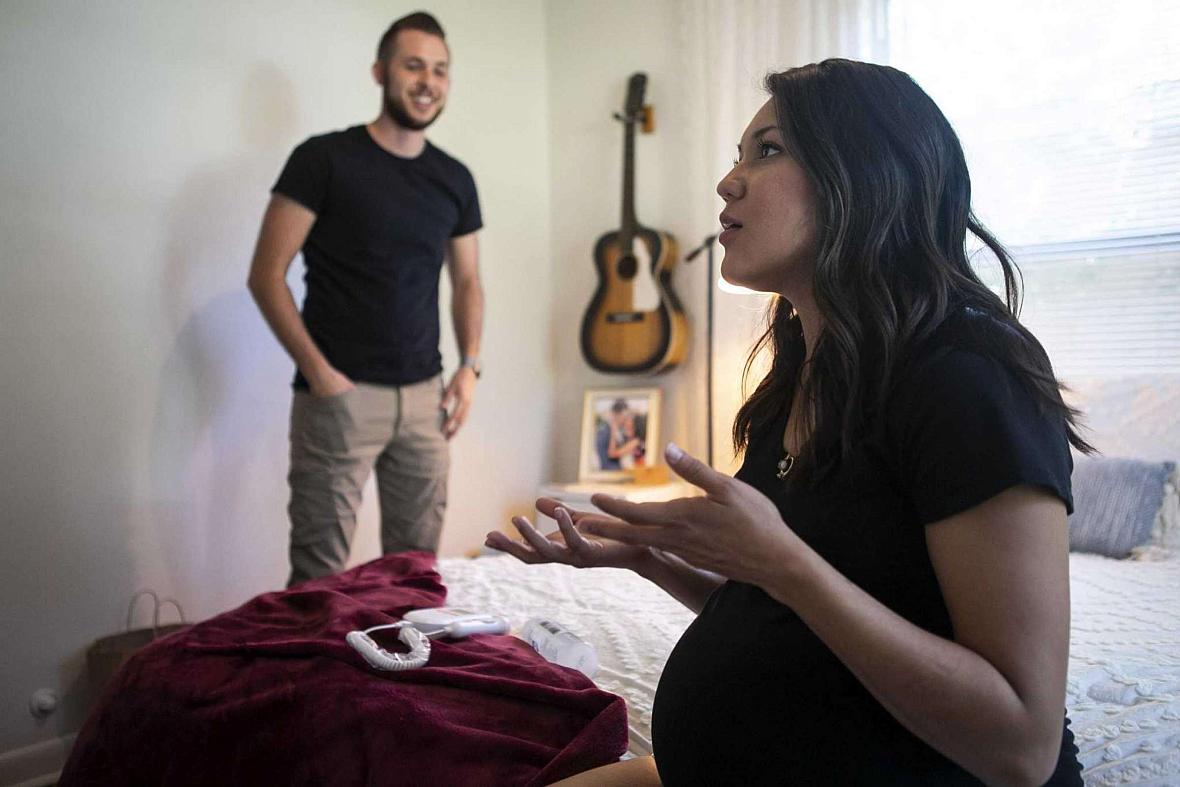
(568, 545)
(734, 530)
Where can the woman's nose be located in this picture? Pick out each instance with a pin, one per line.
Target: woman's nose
(730, 187)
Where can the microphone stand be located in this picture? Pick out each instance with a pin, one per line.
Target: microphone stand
(707, 247)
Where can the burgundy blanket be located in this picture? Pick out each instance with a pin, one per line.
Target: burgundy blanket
(270, 693)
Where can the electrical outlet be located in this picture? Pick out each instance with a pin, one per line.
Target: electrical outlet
(42, 703)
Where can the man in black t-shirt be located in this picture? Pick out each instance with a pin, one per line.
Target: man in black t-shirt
(375, 209)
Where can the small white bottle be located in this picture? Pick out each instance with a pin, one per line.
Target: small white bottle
(560, 645)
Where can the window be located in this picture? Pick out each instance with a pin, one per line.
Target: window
(1069, 114)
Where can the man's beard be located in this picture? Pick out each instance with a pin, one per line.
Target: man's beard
(397, 110)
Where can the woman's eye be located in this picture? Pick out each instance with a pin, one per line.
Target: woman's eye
(765, 150)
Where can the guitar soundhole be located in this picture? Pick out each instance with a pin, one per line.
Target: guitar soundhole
(628, 267)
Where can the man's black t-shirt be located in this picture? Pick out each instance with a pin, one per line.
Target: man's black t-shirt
(750, 695)
(375, 251)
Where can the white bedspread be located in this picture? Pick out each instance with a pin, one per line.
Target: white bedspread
(1124, 669)
(1124, 677)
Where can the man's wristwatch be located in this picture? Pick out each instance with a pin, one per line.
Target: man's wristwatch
(473, 364)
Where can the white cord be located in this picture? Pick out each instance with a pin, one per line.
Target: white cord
(380, 658)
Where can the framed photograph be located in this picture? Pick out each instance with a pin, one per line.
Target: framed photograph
(620, 432)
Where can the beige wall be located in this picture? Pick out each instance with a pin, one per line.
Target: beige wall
(145, 402)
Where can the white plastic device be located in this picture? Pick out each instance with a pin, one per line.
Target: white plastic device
(454, 622)
(416, 630)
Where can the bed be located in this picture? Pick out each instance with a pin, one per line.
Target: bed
(271, 688)
(200, 706)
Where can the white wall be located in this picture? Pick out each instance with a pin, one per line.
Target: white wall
(594, 47)
(145, 402)
(593, 50)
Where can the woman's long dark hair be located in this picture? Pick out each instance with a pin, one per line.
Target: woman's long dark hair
(893, 208)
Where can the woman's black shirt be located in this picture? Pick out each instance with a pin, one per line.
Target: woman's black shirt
(750, 695)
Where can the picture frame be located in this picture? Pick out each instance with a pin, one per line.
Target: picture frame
(620, 433)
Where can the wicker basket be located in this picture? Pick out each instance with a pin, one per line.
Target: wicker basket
(107, 654)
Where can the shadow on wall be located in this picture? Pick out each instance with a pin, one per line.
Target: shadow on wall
(219, 441)
(68, 508)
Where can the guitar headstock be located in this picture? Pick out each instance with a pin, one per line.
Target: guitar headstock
(634, 106)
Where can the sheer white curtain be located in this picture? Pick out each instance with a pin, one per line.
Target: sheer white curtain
(728, 48)
(1069, 113)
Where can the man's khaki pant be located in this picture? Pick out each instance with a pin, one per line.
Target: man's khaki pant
(335, 443)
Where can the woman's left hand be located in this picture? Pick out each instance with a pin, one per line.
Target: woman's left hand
(734, 530)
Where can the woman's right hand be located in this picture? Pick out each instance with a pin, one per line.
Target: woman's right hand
(568, 545)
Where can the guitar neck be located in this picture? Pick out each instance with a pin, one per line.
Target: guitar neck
(628, 223)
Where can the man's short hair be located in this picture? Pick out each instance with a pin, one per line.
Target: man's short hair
(419, 20)
(619, 406)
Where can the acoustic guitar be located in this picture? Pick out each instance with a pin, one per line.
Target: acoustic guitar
(635, 322)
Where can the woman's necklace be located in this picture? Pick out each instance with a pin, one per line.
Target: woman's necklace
(787, 463)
